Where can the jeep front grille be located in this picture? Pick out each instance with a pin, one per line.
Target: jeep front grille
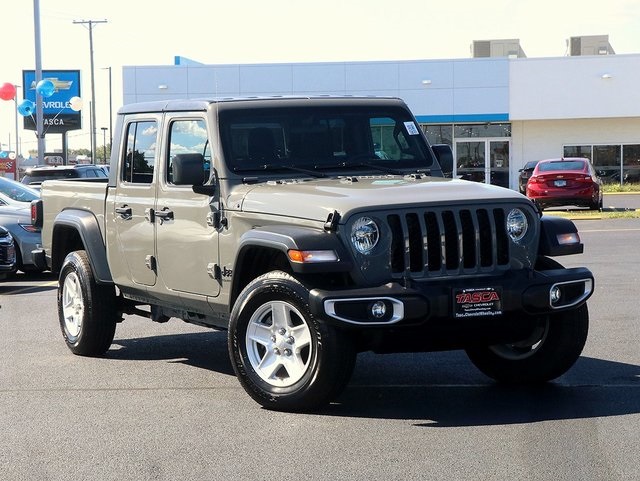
(443, 242)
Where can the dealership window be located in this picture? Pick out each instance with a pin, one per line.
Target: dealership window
(482, 130)
(578, 151)
(606, 160)
(444, 133)
(439, 134)
(616, 163)
(631, 163)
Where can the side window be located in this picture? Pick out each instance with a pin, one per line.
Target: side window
(188, 136)
(140, 156)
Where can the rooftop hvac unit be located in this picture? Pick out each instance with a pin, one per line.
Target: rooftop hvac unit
(590, 45)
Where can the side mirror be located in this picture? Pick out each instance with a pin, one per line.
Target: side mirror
(188, 169)
(444, 154)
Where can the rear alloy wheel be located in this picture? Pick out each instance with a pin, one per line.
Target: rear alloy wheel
(283, 356)
(86, 310)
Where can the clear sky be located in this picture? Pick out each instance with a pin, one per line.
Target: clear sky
(144, 32)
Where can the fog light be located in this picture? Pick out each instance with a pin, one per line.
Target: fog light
(378, 309)
(555, 295)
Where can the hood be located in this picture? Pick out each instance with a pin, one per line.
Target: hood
(16, 213)
(315, 199)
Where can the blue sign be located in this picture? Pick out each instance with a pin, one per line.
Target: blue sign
(58, 116)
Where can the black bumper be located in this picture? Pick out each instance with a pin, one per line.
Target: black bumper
(428, 302)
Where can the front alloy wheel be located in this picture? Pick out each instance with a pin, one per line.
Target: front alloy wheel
(279, 345)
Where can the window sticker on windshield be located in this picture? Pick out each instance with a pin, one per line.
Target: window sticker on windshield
(411, 128)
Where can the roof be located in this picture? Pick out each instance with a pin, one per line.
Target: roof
(203, 104)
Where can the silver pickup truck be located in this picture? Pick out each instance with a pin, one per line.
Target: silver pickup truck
(311, 229)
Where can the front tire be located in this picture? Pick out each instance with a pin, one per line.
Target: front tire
(552, 348)
(283, 356)
(86, 310)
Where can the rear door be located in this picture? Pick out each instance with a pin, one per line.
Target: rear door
(130, 212)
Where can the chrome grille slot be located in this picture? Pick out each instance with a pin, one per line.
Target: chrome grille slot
(440, 242)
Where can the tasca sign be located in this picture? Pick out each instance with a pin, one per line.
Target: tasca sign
(58, 116)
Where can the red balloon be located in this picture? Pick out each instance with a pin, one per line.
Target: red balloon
(7, 91)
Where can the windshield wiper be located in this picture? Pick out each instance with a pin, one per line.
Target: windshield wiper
(279, 167)
(367, 165)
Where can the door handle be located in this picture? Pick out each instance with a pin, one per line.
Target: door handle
(164, 214)
(124, 211)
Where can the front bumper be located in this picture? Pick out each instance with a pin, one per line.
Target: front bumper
(526, 292)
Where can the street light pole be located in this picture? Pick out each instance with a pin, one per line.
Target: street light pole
(93, 85)
(39, 109)
(110, 107)
(15, 99)
(104, 145)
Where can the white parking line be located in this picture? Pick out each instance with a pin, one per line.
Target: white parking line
(609, 230)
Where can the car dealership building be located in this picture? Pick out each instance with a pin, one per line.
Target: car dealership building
(497, 112)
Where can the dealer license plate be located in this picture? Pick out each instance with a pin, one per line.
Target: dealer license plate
(560, 183)
(477, 302)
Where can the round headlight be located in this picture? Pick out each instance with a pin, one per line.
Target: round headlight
(364, 235)
(517, 225)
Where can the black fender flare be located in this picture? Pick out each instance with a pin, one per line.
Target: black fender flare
(285, 237)
(551, 228)
(86, 225)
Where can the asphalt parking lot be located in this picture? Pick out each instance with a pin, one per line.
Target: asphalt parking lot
(163, 404)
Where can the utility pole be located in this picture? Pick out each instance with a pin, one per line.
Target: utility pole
(91, 23)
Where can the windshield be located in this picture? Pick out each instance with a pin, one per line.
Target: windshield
(322, 138)
(17, 191)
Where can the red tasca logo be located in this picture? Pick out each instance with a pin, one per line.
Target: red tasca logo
(477, 296)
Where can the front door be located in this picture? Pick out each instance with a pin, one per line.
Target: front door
(483, 160)
(187, 237)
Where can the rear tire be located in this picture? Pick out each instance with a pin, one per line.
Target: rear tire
(86, 310)
(285, 358)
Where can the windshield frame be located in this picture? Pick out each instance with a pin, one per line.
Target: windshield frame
(294, 125)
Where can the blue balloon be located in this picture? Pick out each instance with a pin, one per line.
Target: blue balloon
(26, 107)
(45, 88)
(4, 155)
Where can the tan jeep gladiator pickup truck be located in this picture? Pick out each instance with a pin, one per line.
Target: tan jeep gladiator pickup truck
(311, 229)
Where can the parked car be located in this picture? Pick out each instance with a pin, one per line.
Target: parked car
(36, 175)
(525, 173)
(7, 254)
(15, 216)
(565, 181)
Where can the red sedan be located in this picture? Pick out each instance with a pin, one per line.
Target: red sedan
(566, 181)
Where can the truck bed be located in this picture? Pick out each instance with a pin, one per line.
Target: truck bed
(58, 195)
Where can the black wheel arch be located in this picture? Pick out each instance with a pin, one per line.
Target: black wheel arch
(75, 229)
(551, 228)
(264, 249)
